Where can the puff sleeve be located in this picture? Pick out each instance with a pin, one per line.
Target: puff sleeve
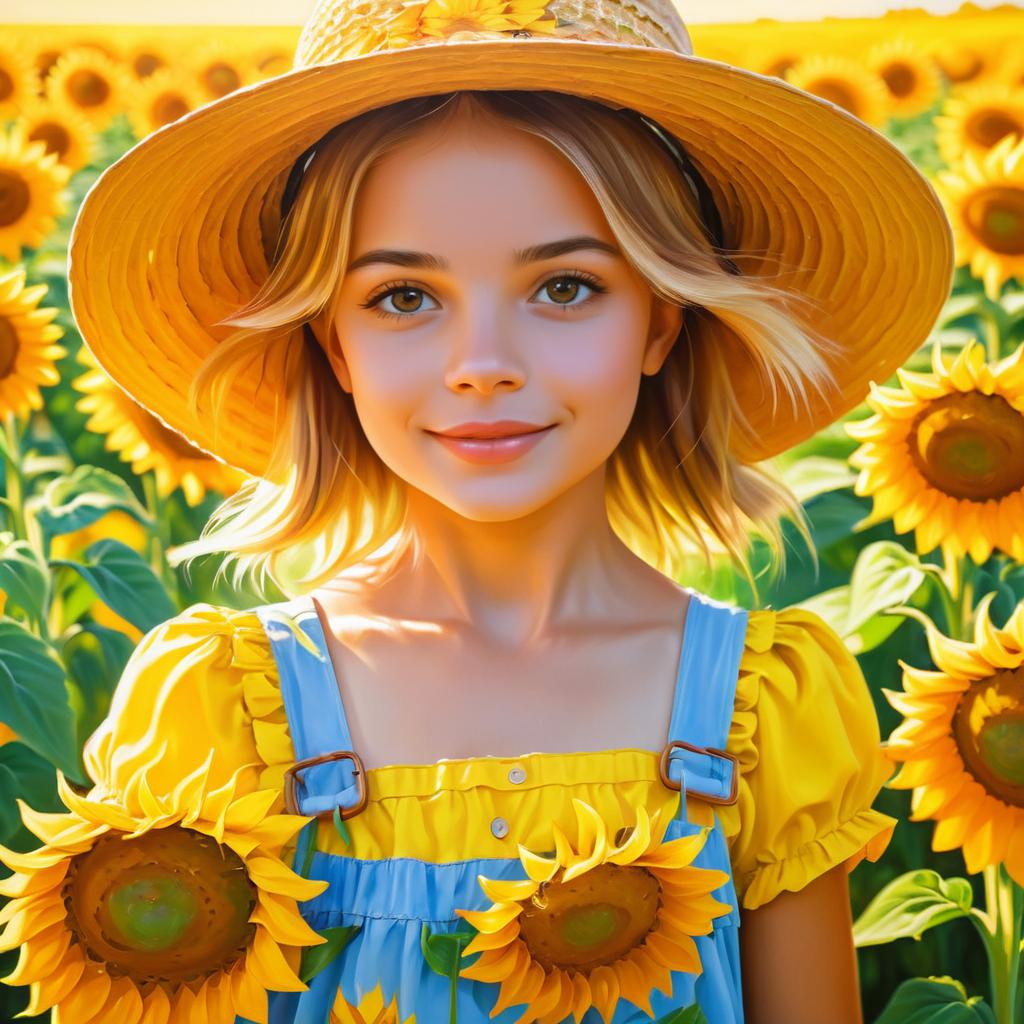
(806, 734)
(163, 894)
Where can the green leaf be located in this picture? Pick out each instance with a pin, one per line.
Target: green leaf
(34, 698)
(95, 657)
(816, 474)
(886, 575)
(692, 1014)
(443, 950)
(935, 1001)
(911, 904)
(79, 498)
(340, 827)
(23, 773)
(23, 576)
(316, 958)
(122, 579)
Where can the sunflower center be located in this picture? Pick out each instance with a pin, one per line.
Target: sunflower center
(996, 218)
(171, 905)
(87, 88)
(960, 65)
(987, 127)
(6, 84)
(836, 91)
(159, 436)
(14, 198)
(169, 107)
(221, 78)
(900, 78)
(594, 919)
(988, 726)
(145, 64)
(54, 136)
(970, 446)
(8, 347)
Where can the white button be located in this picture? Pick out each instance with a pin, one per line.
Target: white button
(517, 775)
(499, 828)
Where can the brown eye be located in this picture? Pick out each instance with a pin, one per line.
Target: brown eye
(407, 300)
(562, 289)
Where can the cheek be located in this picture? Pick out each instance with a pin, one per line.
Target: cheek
(387, 389)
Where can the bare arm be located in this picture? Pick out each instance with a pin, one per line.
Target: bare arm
(797, 956)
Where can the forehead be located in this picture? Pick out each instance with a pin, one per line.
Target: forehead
(473, 177)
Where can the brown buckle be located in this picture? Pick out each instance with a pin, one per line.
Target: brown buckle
(292, 775)
(671, 784)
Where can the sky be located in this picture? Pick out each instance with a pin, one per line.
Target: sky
(271, 12)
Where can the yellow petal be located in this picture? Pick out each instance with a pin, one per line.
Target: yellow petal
(492, 919)
(275, 876)
(280, 916)
(269, 966)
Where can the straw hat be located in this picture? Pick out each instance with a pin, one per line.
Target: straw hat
(176, 234)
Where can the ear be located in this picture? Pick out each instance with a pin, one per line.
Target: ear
(666, 323)
(332, 348)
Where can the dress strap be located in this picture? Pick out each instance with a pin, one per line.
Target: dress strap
(327, 773)
(695, 760)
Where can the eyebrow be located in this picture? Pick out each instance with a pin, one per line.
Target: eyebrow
(531, 254)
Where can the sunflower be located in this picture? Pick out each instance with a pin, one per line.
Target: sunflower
(28, 349)
(977, 117)
(62, 131)
(89, 82)
(944, 454)
(145, 58)
(17, 81)
(216, 71)
(179, 911)
(960, 742)
(371, 1010)
(271, 62)
(144, 441)
(962, 64)
(844, 82)
(45, 61)
(777, 62)
(31, 192)
(984, 198)
(162, 98)
(910, 75)
(595, 924)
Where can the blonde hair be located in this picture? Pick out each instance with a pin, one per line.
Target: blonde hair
(327, 505)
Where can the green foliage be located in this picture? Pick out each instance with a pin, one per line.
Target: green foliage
(935, 1001)
(316, 958)
(910, 905)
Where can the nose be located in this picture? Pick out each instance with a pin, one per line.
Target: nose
(483, 353)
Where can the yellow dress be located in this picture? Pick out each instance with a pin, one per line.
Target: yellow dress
(197, 736)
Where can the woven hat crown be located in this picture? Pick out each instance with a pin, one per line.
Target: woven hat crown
(338, 29)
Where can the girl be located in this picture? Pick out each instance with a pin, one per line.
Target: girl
(497, 352)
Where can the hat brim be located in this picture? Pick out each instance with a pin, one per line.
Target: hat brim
(170, 238)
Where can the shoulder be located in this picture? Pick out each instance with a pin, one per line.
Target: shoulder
(205, 678)
(806, 735)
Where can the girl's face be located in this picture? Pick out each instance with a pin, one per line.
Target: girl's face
(484, 284)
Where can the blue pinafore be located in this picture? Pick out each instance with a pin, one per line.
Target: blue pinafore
(391, 899)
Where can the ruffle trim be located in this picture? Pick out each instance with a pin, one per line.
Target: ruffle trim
(865, 836)
(251, 655)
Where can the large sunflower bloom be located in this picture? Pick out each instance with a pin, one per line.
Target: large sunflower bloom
(910, 75)
(596, 923)
(962, 742)
(962, 64)
(977, 117)
(31, 192)
(944, 454)
(143, 440)
(183, 913)
(985, 202)
(217, 70)
(17, 81)
(844, 82)
(28, 349)
(61, 130)
(90, 82)
(371, 1010)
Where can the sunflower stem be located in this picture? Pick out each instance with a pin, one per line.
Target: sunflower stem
(159, 537)
(13, 478)
(1005, 901)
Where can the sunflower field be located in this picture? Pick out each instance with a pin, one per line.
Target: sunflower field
(915, 500)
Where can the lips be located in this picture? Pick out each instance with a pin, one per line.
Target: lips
(489, 431)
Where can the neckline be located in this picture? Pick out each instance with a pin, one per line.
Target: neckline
(481, 762)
